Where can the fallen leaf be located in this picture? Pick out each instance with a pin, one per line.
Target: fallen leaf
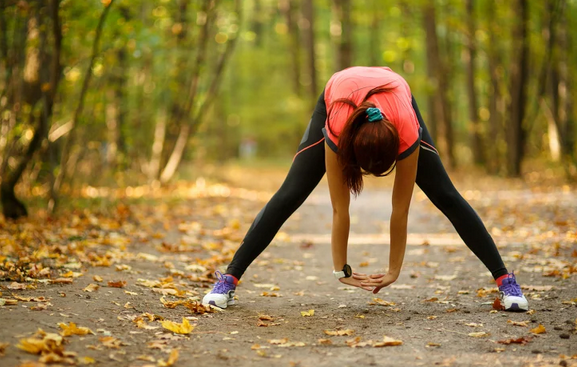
(265, 317)
(91, 288)
(473, 324)
(432, 345)
(184, 328)
(61, 281)
(97, 278)
(278, 341)
(339, 332)
(308, 313)
(388, 342)
(72, 329)
(111, 342)
(16, 285)
(538, 330)
(117, 284)
(147, 358)
(3, 347)
(522, 340)
(325, 342)
(479, 334)
(497, 305)
(518, 323)
(8, 302)
(378, 301)
(364, 264)
(172, 358)
(86, 360)
(432, 317)
(270, 294)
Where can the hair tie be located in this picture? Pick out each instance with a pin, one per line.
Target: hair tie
(374, 114)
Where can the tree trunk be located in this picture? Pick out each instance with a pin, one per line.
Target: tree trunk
(257, 23)
(191, 128)
(375, 37)
(438, 78)
(49, 72)
(516, 133)
(309, 35)
(117, 109)
(495, 96)
(66, 163)
(470, 53)
(288, 8)
(344, 41)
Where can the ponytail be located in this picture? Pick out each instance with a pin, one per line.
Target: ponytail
(368, 143)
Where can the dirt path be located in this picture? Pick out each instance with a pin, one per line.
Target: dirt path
(440, 307)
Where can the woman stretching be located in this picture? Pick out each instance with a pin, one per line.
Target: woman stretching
(372, 125)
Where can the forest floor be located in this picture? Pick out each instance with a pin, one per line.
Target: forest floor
(121, 270)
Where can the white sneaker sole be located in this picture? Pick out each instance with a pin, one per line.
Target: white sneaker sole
(220, 303)
(515, 304)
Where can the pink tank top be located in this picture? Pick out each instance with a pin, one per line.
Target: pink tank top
(354, 83)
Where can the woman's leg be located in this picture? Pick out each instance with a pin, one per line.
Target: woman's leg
(307, 170)
(436, 184)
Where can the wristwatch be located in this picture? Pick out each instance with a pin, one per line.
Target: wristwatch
(345, 273)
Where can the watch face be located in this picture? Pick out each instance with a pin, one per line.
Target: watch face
(347, 270)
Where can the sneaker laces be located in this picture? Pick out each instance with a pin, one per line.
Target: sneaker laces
(510, 286)
(222, 286)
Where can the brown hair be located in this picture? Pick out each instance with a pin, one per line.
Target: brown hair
(366, 147)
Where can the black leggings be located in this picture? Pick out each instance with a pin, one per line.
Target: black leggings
(307, 170)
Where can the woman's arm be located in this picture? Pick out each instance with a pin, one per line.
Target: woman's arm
(406, 173)
(340, 199)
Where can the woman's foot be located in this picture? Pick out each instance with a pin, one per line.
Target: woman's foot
(510, 294)
(222, 295)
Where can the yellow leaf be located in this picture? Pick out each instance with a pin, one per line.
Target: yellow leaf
(97, 278)
(308, 313)
(171, 359)
(91, 287)
(538, 330)
(388, 342)
(325, 342)
(86, 360)
(72, 329)
(378, 301)
(339, 332)
(111, 342)
(518, 323)
(184, 328)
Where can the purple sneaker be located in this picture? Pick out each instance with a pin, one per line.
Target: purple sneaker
(222, 295)
(510, 294)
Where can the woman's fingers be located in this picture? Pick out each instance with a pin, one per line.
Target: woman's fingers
(375, 276)
(357, 277)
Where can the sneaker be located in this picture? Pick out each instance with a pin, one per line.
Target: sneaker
(222, 295)
(510, 294)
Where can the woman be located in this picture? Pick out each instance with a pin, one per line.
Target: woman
(372, 126)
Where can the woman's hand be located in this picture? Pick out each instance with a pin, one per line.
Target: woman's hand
(378, 281)
(356, 281)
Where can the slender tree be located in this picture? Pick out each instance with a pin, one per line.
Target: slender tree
(516, 132)
(470, 55)
(309, 36)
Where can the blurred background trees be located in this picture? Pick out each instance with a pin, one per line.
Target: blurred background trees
(119, 92)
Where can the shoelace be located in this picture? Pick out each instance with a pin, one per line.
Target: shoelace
(512, 288)
(222, 286)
